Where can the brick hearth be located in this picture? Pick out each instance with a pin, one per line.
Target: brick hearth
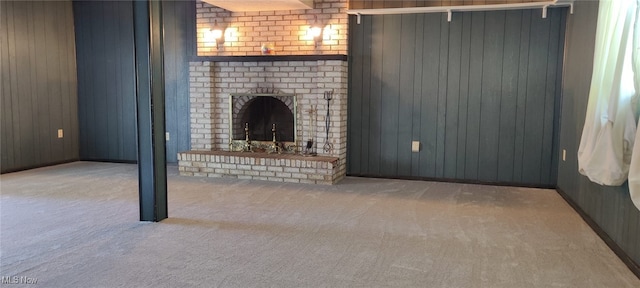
(261, 166)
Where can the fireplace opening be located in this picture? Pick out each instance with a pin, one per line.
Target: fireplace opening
(260, 114)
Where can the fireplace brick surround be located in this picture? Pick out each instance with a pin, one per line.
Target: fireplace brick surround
(299, 67)
(211, 83)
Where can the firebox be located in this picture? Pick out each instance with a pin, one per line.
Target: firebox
(260, 118)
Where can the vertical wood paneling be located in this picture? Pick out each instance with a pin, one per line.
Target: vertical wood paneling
(27, 115)
(508, 101)
(393, 4)
(535, 105)
(121, 87)
(390, 94)
(187, 29)
(492, 103)
(429, 109)
(375, 116)
(375, 4)
(411, 3)
(57, 147)
(405, 97)
(179, 43)
(475, 95)
(417, 91)
(128, 103)
(355, 84)
(491, 95)
(99, 118)
(610, 207)
(112, 104)
(480, 95)
(43, 44)
(558, 101)
(179, 21)
(465, 54)
(6, 139)
(523, 75)
(442, 97)
(632, 229)
(79, 15)
(107, 82)
(38, 83)
(72, 144)
(550, 103)
(171, 72)
(453, 98)
(366, 89)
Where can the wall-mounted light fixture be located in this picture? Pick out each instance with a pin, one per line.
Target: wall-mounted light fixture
(315, 31)
(217, 33)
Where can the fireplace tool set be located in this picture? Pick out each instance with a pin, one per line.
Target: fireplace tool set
(309, 148)
(328, 95)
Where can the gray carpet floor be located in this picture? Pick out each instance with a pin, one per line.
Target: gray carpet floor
(76, 225)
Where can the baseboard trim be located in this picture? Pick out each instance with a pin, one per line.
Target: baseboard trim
(633, 266)
(111, 161)
(11, 170)
(452, 180)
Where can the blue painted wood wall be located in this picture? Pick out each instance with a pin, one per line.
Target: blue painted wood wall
(106, 78)
(610, 207)
(38, 84)
(480, 94)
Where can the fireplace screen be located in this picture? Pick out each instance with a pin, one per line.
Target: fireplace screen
(255, 116)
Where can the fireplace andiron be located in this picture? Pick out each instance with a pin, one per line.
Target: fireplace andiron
(275, 146)
(247, 143)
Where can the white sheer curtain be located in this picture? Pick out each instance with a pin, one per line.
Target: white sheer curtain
(609, 131)
(634, 170)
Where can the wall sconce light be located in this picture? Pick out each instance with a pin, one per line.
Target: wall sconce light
(315, 31)
(217, 33)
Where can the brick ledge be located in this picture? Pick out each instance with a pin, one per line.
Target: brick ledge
(261, 166)
(262, 155)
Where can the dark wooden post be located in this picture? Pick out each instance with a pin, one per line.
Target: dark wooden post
(152, 162)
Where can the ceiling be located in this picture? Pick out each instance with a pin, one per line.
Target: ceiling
(261, 5)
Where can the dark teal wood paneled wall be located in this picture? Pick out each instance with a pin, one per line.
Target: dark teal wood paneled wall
(610, 207)
(104, 31)
(480, 94)
(180, 41)
(106, 80)
(38, 84)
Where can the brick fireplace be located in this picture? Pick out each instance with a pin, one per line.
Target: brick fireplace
(301, 68)
(212, 84)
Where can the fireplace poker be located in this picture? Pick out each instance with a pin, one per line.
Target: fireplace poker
(328, 95)
(309, 151)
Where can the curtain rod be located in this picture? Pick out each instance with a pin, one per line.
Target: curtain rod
(464, 8)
